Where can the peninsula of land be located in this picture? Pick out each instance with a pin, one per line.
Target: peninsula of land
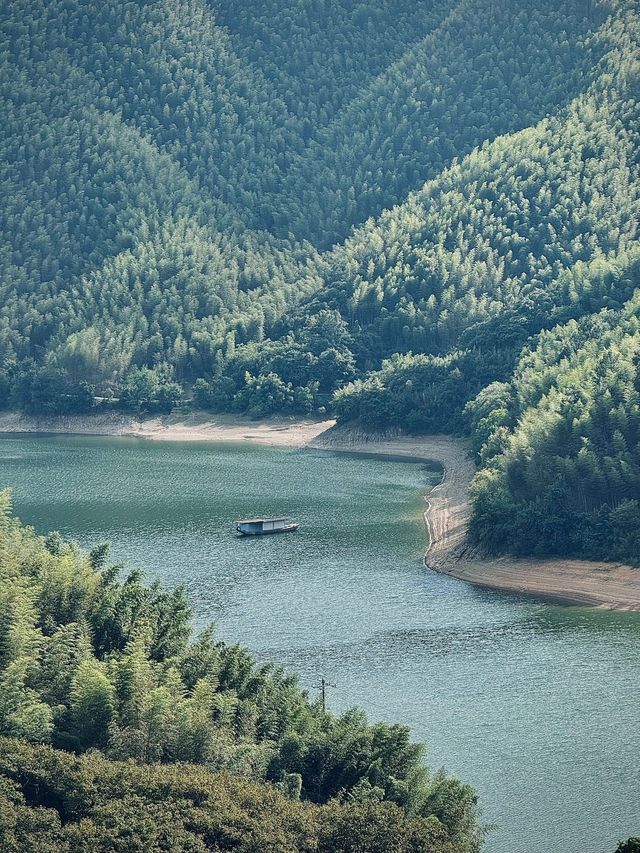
(583, 582)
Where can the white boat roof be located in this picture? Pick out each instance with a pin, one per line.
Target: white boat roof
(258, 520)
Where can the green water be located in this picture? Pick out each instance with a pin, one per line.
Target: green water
(537, 706)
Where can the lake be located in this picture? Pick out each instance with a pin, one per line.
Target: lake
(537, 706)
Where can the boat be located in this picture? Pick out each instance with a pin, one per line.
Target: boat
(265, 526)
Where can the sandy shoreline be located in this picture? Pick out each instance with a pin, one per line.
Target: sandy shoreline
(280, 432)
(598, 584)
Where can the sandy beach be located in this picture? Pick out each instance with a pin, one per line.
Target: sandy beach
(608, 585)
(195, 426)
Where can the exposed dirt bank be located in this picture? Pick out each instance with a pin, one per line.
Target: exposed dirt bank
(599, 584)
(608, 585)
(447, 512)
(283, 432)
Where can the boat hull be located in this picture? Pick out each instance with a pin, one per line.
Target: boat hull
(288, 528)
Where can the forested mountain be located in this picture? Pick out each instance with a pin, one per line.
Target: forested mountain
(102, 666)
(485, 256)
(480, 258)
(486, 69)
(109, 185)
(199, 205)
(320, 56)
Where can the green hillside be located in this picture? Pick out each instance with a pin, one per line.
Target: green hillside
(485, 70)
(480, 258)
(484, 257)
(560, 445)
(320, 56)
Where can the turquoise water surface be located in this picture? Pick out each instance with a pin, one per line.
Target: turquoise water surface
(537, 706)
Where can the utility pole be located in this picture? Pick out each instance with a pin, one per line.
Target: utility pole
(323, 691)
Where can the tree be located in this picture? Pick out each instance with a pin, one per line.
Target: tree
(150, 391)
(632, 845)
(92, 704)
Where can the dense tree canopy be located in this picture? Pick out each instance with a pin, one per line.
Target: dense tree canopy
(52, 802)
(414, 215)
(487, 254)
(560, 444)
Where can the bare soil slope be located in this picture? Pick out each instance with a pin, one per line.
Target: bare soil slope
(195, 426)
